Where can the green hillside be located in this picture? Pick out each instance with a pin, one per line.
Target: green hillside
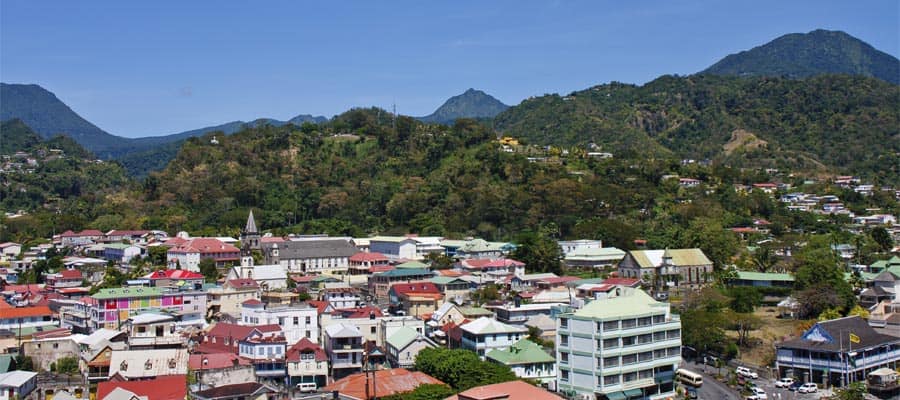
(800, 55)
(471, 104)
(835, 123)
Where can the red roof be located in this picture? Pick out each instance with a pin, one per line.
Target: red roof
(371, 257)
(272, 239)
(450, 272)
(73, 290)
(26, 288)
(505, 390)
(243, 283)
(216, 361)
(359, 312)
(70, 274)
(320, 306)
(160, 388)
(305, 346)
(86, 232)
(489, 263)
(117, 232)
(415, 288)
(238, 332)
(175, 241)
(385, 383)
(252, 302)
(632, 282)
(24, 312)
(205, 246)
(380, 268)
(559, 279)
(173, 274)
(302, 278)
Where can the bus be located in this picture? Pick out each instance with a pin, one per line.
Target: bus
(688, 378)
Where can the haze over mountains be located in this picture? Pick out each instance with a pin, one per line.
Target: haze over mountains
(632, 123)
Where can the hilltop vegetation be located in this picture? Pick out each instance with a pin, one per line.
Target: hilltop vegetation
(471, 104)
(835, 123)
(802, 55)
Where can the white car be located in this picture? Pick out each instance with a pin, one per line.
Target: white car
(808, 388)
(746, 373)
(784, 383)
(757, 393)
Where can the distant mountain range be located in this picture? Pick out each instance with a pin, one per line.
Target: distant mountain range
(802, 55)
(47, 115)
(471, 104)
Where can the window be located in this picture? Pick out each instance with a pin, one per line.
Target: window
(564, 323)
(564, 358)
(564, 375)
(610, 343)
(260, 352)
(509, 337)
(631, 376)
(629, 359)
(563, 340)
(645, 356)
(55, 345)
(373, 329)
(659, 319)
(673, 334)
(307, 320)
(647, 373)
(610, 380)
(659, 336)
(629, 323)
(628, 341)
(611, 361)
(611, 325)
(645, 338)
(148, 365)
(296, 321)
(644, 321)
(308, 335)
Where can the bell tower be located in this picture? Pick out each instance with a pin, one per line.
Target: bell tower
(250, 235)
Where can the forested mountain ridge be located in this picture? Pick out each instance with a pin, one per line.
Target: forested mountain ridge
(16, 136)
(471, 104)
(829, 122)
(802, 55)
(47, 115)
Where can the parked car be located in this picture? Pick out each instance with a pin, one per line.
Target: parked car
(808, 388)
(746, 373)
(784, 383)
(794, 386)
(757, 394)
(662, 296)
(710, 360)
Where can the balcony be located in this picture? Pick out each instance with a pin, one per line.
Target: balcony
(156, 341)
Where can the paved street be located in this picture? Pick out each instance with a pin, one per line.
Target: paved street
(711, 389)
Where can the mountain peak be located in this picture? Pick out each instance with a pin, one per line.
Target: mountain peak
(801, 55)
(472, 103)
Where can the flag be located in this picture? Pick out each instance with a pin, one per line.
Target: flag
(854, 338)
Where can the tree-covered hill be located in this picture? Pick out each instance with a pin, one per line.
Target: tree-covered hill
(802, 55)
(16, 136)
(836, 123)
(471, 104)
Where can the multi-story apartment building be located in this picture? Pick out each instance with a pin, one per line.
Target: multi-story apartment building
(267, 351)
(627, 345)
(296, 322)
(109, 308)
(307, 365)
(188, 254)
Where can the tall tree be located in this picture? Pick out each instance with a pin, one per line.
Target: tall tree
(539, 253)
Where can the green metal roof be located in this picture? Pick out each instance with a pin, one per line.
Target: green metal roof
(402, 337)
(412, 265)
(631, 303)
(395, 273)
(443, 280)
(523, 352)
(764, 276)
(116, 293)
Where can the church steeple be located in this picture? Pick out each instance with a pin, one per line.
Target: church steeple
(250, 234)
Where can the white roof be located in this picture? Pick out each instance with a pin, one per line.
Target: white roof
(148, 363)
(442, 310)
(15, 379)
(342, 330)
(485, 325)
(150, 318)
(122, 394)
(551, 296)
(99, 336)
(542, 322)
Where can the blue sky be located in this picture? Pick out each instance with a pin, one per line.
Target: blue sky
(161, 67)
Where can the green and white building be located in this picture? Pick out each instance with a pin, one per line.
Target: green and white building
(527, 360)
(625, 346)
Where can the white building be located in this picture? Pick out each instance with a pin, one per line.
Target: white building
(624, 346)
(296, 322)
(344, 346)
(406, 247)
(311, 254)
(572, 246)
(17, 384)
(486, 334)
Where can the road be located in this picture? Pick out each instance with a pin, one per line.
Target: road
(711, 389)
